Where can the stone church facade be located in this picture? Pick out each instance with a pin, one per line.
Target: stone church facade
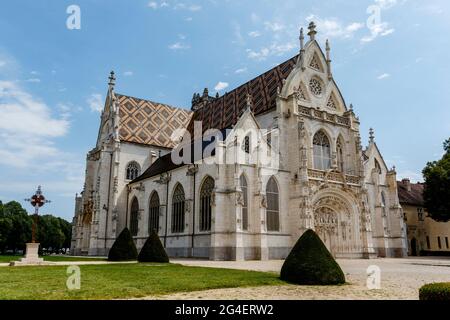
(260, 165)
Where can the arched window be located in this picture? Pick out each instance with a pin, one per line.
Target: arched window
(244, 188)
(246, 145)
(340, 155)
(384, 214)
(321, 150)
(273, 205)
(205, 204)
(153, 219)
(178, 205)
(133, 170)
(377, 166)
(134, 217)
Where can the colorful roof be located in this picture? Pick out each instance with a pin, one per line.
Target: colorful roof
(225, 111)
(148, 122)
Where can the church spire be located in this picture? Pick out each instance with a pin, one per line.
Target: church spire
(330, 75)
(302, 40)
(312, 31)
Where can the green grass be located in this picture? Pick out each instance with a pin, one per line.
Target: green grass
(7, 259)
(117, 281)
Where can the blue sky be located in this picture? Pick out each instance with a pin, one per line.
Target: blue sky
(53, 80)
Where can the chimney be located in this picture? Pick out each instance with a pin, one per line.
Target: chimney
(407, 184)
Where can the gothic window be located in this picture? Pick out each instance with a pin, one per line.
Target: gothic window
(134, 217)
(269, 138)
(340, 155)
(246, 145)
(153, 219)
(315, 86)
(205, 204)
(315, 64)
(133, 170)
(322, 151)
(420, 214)
(178, 207)
(332, 102)
(383, 203)
(377, 166)
(273, 205)
(244, 188)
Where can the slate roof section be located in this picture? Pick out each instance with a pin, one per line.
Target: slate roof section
(148, 122)
(225, 111)
(413, 197)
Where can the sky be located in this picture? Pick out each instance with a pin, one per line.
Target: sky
(390, 60)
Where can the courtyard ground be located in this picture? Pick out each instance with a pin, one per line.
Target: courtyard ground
(400, 279)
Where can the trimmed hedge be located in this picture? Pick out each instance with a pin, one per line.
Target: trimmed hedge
(310, 263)
(123, 248)
(153, 250)
(435, 292)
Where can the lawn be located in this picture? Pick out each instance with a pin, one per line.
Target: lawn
(118, 281)
(61, 258)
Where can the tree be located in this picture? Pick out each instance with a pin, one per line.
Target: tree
(436, 193)
(153, 250)
(123, 248)
(310, 263)
(20, 232)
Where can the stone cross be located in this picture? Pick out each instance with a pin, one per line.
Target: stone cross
(37, 201)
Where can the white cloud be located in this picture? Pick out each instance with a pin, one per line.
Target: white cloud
(274, 26)
(128, 73)
(95, 102)
(33, 80)
(276, 49)
(386, 4)
(221, 86)
(254, 34)
(334, 28)
(383, 76)
(378, 30)
(179, 46)
(241, 70)
(238, 38)
(188, 19)
(153, 5)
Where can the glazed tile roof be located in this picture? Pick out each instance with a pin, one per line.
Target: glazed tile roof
(225, 111)
(147, 122)
(413, 197)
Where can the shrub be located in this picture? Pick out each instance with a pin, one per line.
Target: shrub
(153, 250)
(123, 248)
(435, 292)
(310, 263)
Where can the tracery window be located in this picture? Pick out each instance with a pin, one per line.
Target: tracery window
(134, 217)
(246, 144)
(315, 86)
(244, 188)
(178, 207)
(315, 63)
(273, 206)
(321, 151)
(205, 204)
(132, 171)
(153, 219)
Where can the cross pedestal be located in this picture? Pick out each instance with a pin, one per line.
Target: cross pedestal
(31, 257)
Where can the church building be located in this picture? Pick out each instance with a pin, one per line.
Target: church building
(242, 176)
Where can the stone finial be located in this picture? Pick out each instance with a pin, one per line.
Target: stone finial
(371, 135)
(328, 49)
(302, 40)
(351, 106)
(312, 31)
(112, 80)
(205, 93)
(249, 101)
(217, 95)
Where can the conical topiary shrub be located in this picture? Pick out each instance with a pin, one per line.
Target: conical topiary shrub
(123, 248)
(153, 250)
(310, 263)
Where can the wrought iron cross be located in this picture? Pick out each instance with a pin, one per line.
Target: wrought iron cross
(37, 201)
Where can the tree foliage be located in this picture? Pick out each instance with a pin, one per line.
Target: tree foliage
(153, 250)
(53, 233)
(437, 186)
(123, 248)
(310, 263)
